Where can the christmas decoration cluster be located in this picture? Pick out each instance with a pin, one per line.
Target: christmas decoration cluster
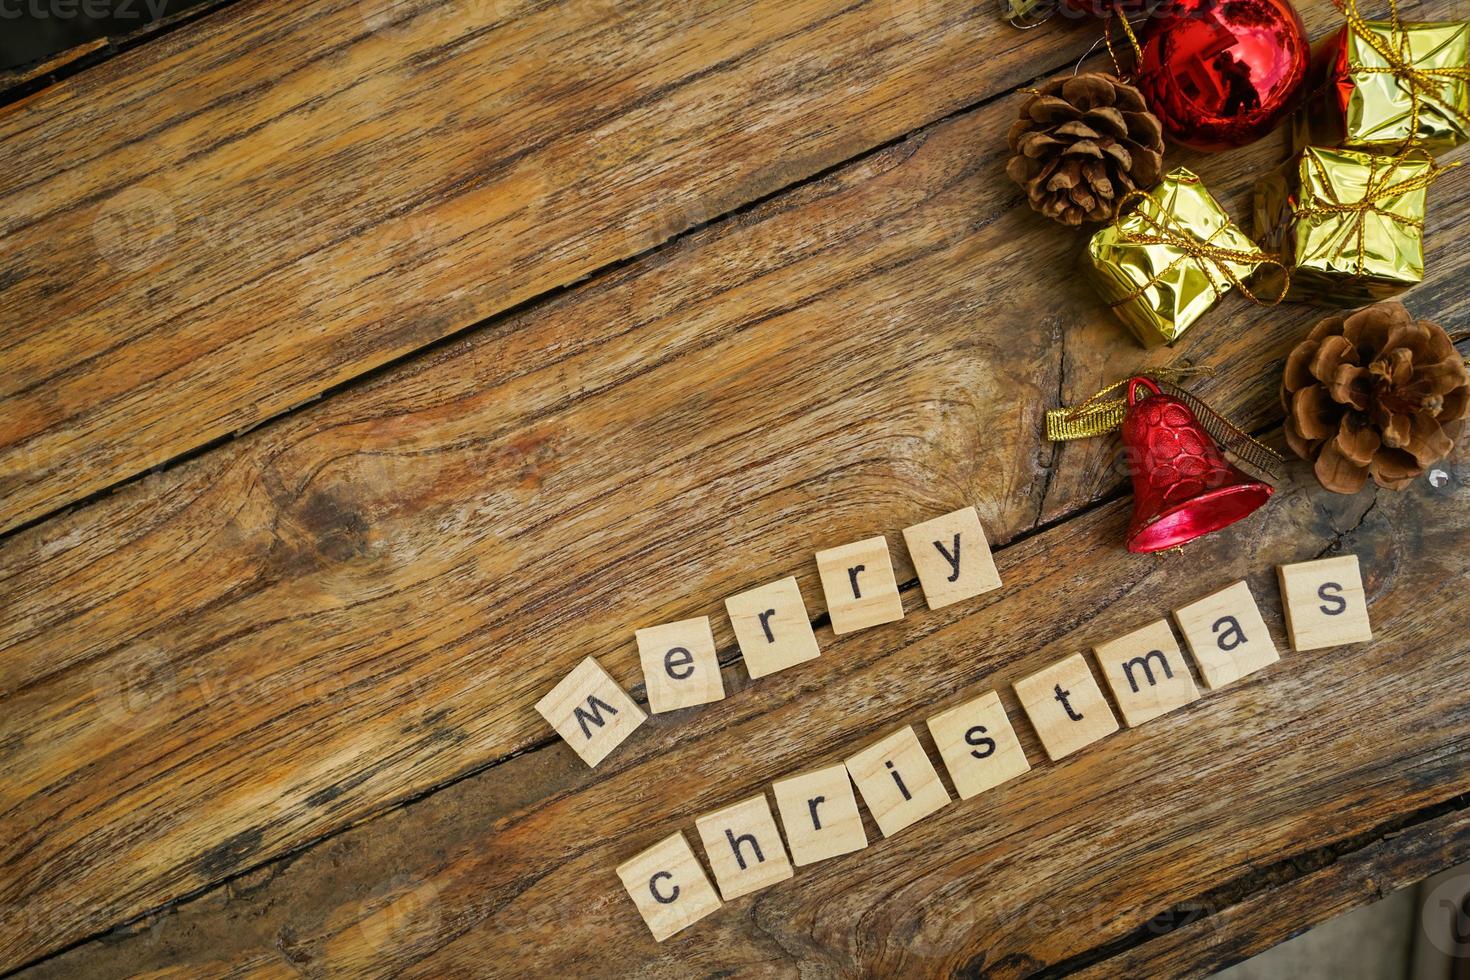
(1371, 394)
(1339, 223)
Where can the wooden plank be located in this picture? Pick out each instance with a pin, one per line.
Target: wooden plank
(1307, 761)
(225, 223)
(1200, 940)
(279, 686)
(341, 610)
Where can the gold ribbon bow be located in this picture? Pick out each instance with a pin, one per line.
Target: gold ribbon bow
(1203, 252)
(1421, 83)
(1378, 189)
(1101, 414)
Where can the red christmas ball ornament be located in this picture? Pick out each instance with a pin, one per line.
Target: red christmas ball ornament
(1222, 73)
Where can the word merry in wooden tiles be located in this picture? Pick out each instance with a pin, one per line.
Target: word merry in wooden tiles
(771, 624)
(1145, 670)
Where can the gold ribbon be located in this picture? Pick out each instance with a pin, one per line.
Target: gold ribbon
(1101, 414)
(1132, 41)
(1203, 252)
(1379, 188)
(1421, 83)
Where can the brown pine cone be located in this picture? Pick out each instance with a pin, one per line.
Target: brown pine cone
(1081, 144)
(1374, 392)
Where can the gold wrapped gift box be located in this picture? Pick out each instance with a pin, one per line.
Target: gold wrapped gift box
(1162, 265)
(1387, 85)
(1350, 225)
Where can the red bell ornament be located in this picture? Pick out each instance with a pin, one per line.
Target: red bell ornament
(1183, 486)
(1222, 73)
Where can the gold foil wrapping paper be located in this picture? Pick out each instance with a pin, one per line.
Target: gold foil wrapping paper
(1388, 86)
(1349, 224)
(1147, 265)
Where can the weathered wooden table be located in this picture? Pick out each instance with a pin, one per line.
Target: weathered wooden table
(368, 364)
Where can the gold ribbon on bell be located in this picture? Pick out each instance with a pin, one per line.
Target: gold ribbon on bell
(1105, 410)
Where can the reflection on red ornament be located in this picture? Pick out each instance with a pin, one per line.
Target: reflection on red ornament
(1222, 73)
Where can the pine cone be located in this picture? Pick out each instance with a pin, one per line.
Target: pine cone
(1374, 392)
(1081, 144)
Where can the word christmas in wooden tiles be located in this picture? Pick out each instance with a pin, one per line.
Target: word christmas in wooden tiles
(1145, 671)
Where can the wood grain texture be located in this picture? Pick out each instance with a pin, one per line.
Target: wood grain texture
(359, 602)
(221, 225)
(1323, 883)
(1214, 818)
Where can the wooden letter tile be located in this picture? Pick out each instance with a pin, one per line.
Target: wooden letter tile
(952, 557)
(1226, 635)
(773, 627)
(668, 886)
(1325, 604)
(820, 814)
(897, 780)
(1147, 673)
(680, 668)
(1066, 706)
(858, 581)
(590, 711)
(978, 745)
(744, 847)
